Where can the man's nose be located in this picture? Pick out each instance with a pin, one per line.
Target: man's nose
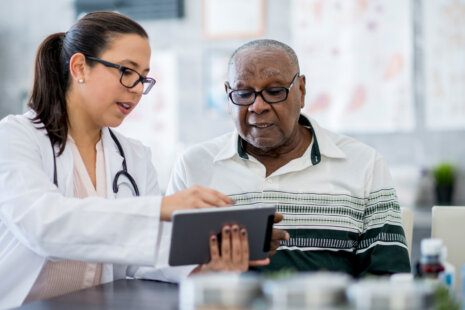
(259, 105)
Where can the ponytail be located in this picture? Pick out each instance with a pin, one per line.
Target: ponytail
(48, 98)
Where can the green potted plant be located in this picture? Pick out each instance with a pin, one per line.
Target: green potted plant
(444, 177)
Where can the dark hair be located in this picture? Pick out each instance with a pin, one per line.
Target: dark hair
(267, 44)
(90, 36)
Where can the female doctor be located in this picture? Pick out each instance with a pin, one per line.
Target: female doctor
(79, 202)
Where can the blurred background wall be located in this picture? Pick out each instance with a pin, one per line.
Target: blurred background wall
(189, 60)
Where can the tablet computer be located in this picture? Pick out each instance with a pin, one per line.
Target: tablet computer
(192, 229)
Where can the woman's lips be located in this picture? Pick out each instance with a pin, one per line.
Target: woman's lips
(125, 107)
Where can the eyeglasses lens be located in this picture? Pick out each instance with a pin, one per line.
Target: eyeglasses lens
(131, 78)
(270, 95)
(274, 94)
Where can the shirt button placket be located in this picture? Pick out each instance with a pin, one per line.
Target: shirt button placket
(268, 184)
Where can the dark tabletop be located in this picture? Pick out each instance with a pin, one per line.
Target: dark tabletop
(121, 294)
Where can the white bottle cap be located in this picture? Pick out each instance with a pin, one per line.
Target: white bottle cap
(432, 246)
(443, 253)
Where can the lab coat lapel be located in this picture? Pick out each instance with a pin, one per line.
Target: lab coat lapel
(64, 170)
(113, 164)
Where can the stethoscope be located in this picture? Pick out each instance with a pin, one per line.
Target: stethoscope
(123, 172)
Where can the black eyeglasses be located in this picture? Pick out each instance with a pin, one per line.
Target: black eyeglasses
(275, 94)
(129, 78)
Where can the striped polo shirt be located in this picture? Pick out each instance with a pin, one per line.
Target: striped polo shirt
(338, 201)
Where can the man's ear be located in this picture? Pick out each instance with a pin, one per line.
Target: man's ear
(226, 87)
(77, 67)
(303, 90)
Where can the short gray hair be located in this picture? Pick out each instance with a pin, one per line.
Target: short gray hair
(267, 44)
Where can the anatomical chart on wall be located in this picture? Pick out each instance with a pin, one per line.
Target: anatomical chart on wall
(444, 63)
(217, 73)
(357, 59)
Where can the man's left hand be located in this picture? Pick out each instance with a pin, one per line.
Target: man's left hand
(277, 235)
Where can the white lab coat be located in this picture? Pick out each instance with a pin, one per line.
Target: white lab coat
(40, 222)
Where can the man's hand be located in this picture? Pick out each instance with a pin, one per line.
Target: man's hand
(194, 197)
(277, 235)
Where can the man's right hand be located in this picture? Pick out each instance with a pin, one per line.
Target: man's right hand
(195, 197)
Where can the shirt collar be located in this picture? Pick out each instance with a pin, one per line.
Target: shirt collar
(323, 144)
(232, 148)
(326, 144)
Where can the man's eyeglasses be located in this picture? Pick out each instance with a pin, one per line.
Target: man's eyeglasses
(275, 94)
(129, 78)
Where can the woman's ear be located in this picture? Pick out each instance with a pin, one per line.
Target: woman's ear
(77, 67)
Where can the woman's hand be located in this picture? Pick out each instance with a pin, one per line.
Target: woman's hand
(194, 197)
(234, 254)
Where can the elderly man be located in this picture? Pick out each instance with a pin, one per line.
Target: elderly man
(335, 193)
